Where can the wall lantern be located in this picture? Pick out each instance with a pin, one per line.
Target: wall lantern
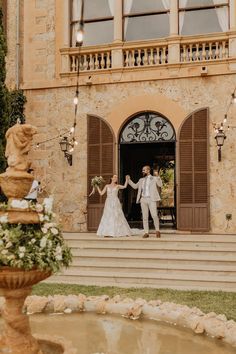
(220, 138)
(66, 148)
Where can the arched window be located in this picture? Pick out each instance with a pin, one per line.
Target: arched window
(147, 127)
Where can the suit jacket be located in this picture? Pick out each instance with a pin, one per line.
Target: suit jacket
(154, 183)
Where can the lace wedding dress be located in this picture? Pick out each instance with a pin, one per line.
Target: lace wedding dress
(113, 222)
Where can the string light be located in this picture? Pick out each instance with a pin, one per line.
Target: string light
(220, 134)
(67, 139)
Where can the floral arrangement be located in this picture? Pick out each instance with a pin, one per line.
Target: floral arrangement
(97, 181)
(33, 245)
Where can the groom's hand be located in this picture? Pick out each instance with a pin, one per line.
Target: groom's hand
(127, 177)
(155, 173)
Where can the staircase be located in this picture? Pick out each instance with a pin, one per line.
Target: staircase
(177, 261)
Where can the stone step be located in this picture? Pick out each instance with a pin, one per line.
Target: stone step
(118, 263)
(146, 273)
(165, 237)
(156, 253)
(178, 261)
(138, 282)
(151, 244)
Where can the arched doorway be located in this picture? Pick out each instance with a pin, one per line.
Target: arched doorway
(148, 138)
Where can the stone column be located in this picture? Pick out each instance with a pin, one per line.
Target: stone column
(232, 6)
(232, 31)
(174, 44)
(174, 30)
(117, 57)
(66, 24)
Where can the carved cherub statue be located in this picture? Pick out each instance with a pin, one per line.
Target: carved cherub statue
(19, 139)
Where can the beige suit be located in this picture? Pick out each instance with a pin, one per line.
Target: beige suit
(148, 202)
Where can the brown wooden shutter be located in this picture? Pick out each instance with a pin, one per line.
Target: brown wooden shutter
(193, 184)
(100, 163)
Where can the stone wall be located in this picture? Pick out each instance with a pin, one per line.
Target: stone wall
(51, 111)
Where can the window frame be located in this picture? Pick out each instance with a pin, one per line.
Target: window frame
(204, 7)
(139, 14)
(88, 20)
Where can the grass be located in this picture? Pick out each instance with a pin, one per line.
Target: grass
(208, 301)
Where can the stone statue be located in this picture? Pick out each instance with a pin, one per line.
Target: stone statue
(19, 139)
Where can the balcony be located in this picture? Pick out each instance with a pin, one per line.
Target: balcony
(165, 53)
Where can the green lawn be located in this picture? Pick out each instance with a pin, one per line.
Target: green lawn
(217, 301)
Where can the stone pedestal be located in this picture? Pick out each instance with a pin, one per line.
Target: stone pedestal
(15, 285)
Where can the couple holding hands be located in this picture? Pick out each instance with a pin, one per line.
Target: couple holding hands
(113, 222)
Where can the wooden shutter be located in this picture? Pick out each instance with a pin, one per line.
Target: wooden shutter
(100, 163)
(193, 184)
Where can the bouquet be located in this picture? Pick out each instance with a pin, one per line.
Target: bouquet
(96, 181)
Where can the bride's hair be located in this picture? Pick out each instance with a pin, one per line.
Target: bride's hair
(111, 179)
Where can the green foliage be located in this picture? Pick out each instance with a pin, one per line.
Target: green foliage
(17, 101)
(3, 95)
(11, 103)
(31, 246)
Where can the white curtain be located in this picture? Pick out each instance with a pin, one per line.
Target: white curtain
(166, 4)
(112, 6)
(76, 8)
(223, 16)
(127, 7)
(181, 15)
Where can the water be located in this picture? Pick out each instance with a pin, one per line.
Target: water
(91, 333)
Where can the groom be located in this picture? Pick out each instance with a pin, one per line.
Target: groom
(148, 196)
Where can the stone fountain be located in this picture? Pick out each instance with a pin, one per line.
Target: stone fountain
(16, 283)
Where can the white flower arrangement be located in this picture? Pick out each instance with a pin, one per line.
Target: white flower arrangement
(97, 181)
(4, 219)
(19, 204)
(34, 245)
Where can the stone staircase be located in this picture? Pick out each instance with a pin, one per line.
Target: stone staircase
(178, 261)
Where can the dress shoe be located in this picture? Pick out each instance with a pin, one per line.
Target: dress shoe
(158, 234)
(145, 236)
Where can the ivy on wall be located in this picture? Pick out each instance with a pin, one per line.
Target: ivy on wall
(11, 102)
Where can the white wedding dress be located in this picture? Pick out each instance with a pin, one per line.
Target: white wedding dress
(113, 222)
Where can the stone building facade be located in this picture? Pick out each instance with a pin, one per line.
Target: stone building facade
(173, 76)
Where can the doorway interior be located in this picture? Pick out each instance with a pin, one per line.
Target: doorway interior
(160, 156)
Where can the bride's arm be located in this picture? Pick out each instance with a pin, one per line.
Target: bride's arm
(103, 191)
(120, 186)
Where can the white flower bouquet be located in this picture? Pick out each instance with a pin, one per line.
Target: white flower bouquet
(97, 181)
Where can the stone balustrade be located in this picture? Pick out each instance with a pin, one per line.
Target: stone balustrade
(214, 49)
(146, 53)
(145, 56)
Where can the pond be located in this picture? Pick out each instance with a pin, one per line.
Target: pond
(108, 334)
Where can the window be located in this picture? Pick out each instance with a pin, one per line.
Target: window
(203, 16)
(98, 21)
(145, 19)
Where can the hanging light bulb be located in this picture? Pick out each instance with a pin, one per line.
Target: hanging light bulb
(80, 36)
(72, 129)
(76, 142)
(71, 149)
(76, 100)
(225, 119)
(234, 98)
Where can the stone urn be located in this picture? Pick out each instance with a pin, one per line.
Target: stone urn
(15, 286)
(16, 184)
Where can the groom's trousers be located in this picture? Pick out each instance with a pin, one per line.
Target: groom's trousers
(146, 205)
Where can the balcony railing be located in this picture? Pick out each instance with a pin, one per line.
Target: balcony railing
(146, 54)
(204, 50)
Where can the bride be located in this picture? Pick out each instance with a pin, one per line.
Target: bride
(113, 222)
